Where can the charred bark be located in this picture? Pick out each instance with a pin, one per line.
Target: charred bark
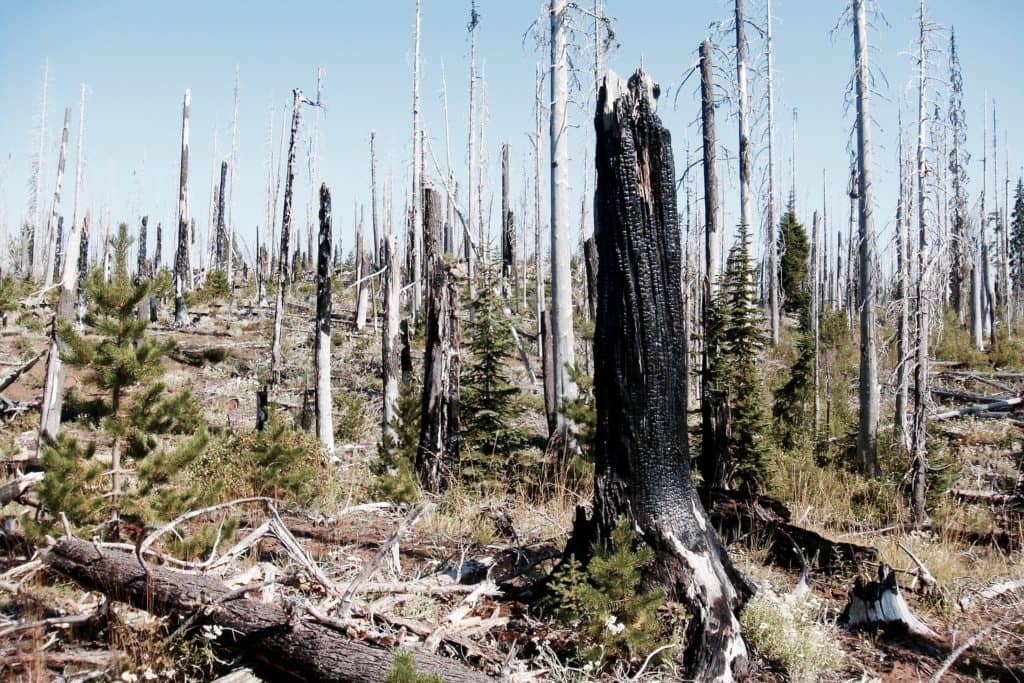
(642, 467)
(222, 236)
(324, 406)
(590, 261)
(438, 452)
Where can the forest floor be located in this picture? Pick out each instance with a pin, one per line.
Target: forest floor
(448, 580)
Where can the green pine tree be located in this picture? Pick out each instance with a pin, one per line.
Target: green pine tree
(490, 402)
(795, 249)
(125, 366)
(736, 340)
(394, 468)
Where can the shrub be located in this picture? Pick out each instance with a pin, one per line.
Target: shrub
(278, 462)
(790, 633)
(404, 670)
(604, 603)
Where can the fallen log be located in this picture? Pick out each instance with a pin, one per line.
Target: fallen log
(978, 408)
(291, 647)
(13, 375)
(13, 489)
(990, 497)
(735, 514)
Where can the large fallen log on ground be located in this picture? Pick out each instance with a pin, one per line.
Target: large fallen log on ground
(979, 408)
(735, 513)
(284, 643)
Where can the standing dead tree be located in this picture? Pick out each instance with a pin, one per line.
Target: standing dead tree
(322, 343)
(286, 224)
(958, 160)
(438, 452)
(868, 392)
(389, 338)
(642, 465)
(181, 256)
(52, 239)
(221, 238)
(770, 242)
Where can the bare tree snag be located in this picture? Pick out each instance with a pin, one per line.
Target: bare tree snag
(770, 242)
(83, 267)
(508, 230)
(919, 464)
(743, 119)
(868, 392)
(140, 261)
(221, 243)
(363, 286)
(181, 258)
(438, 452)
(642, 469)
(286, 226)
(712, 256)
(51, 224)
(561, 276)
(376, 247)
(324, 405)
(389, 339)
(293, 647)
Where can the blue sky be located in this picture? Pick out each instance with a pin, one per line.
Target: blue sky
(138, 57)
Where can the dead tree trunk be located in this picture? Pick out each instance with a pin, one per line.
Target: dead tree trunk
(181, 259)
(389, 340)
(362, 271)
(140, 261)
(590, 261)
(641, 460)
(867, 434)
(903, 294)
(508, 231)
(713, 410)
(324, 405)
(286, 226)
(51, 225)
(770, 242)
(222, 245)
(438, 452)
(83, 267)
(296, 648)
(561, 276)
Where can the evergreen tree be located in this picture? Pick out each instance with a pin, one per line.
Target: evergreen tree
(1017, 240)
(795, 250)
(736, 340)
(490, 401)
(125, 366)
(394, 467)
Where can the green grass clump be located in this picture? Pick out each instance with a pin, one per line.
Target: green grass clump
(791, 633)
(404, 670)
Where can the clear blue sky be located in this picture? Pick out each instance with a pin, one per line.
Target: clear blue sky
(138, 57)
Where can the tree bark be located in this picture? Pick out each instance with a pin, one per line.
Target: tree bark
(868, 392)
(438, 452)
(389, 340)
(561, 276)
(181, 265)
(221, 244)
(324, 405)
(770, 243)
(590, 261)
(286, 225)
(293, 648)
(919, 464)
(642, 469)
(51, 224)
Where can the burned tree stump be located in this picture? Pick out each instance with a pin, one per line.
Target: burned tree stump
(640, 451)
(879, 604)
(438, 450)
